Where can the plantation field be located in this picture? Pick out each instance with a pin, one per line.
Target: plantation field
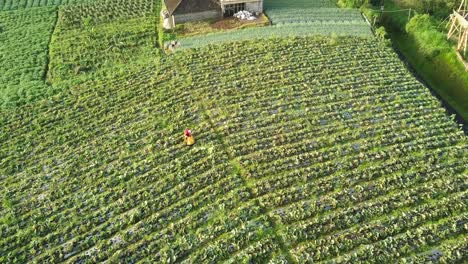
(272, 4)
(329, 16)
(22, 4)
(293, 19)
(24, 40)
(307, 150)
(102, 36)
(286, 30)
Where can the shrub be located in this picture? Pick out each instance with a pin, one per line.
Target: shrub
(352, 3)
(422, 28)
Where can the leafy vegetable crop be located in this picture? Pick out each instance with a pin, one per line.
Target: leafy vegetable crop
(24, 39)
(102, 37)
(23, 4)
(306, 151)
(276, 31)
(293, 19)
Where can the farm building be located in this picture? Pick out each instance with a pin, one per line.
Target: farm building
(181, 11)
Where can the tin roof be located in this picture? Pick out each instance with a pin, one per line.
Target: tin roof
(189, 6)
(172, 5)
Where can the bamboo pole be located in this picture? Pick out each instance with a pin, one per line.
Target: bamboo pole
(466, 42)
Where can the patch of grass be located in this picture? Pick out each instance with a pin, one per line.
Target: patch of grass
(24, 38)
(210, 26)
(87, 43)
(443, 72)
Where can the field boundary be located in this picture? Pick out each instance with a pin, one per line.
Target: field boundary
(448, 108)
(52, 33)
(242, 175)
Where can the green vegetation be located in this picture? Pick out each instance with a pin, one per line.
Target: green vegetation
(311, 29)
(423, 44)
(430, 41)
(101, 38)
(273, 4)
(293, 19)
(352, 3)
(189, 29)
(22, 4)
(438, 8)
(328, 16)
(24, 38)
(306, 150)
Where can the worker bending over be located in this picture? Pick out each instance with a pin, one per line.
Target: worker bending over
(189, 140)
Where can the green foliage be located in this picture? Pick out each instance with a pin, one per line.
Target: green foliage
(106, 11)
(273, 4)
(24, 36)
(278, 31)
(434, 61)
(293, 19)
(304, 151)
(432, 42)
(382, 35)
(306, 148)
(24, 4)
(371, 14)
(352, 3)
(100, 37)
(439, 8)
(327, 16)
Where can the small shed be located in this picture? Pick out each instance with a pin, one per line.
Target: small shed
(230, 7)
(181, 11)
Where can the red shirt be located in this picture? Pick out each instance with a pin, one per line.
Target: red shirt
(188, 133)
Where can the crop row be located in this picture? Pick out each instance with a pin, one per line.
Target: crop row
(102, 37)
(271, 4)
(330, 16)
(100, 12)
(282, 31)
(294, 143)
(23, 67)
(273, 142)
(341, 242)
(22, 4)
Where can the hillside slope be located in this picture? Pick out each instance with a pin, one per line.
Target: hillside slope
(306, 150)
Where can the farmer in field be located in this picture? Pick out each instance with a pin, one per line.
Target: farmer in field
(189, 140)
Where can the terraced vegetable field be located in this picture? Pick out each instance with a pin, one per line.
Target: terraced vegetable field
(326, 16)
(272, 4)
(306, 151)
(22, 4)
(102, 36)
(314, 14)
(293, 19)
(24, 40)
(286, 30)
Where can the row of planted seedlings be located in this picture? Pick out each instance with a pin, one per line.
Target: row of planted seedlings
(411, 241)
(70, 137)
(72, 16)
(343, 29)
(109, 171)
(333, 245)
(328, 16)
(74, 248)
(23, 66)
(453, 251)
(24, 4)
(181, 247)
(150, 231)
(415, 109)
(133, 128)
